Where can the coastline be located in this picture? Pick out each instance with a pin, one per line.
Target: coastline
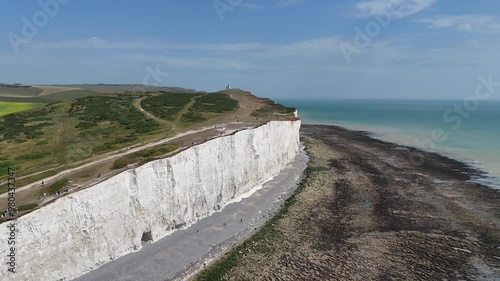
(487, 177)
(366, 213)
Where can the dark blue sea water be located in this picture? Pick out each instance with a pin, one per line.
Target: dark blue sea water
(469, 132)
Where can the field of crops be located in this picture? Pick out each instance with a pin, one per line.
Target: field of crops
(11, 107)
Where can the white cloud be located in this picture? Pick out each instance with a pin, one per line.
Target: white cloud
(317, 52)
(466, 23)
(223, 47)
(397, 8)
(222, 63)
(99, 43)
(235, 56)
(93, 43)
(311, 48)
(308, 48)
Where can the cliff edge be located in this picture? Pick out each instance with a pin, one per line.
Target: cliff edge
(79, 232)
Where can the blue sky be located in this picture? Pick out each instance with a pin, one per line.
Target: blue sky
(277, 48)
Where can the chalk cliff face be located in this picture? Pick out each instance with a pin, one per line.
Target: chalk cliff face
(84, 230)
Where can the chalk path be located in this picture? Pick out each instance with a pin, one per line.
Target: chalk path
(115, 155)
(183, 252)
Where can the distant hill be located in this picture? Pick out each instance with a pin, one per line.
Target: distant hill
(124, 88)
(50, 93)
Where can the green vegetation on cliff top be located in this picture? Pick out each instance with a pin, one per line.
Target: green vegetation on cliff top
(65, 134)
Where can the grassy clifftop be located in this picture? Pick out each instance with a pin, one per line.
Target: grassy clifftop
(43, 141)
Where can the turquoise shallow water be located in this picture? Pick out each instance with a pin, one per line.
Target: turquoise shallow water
(471, 134)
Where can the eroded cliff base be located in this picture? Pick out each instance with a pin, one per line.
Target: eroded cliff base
(365, 213)
(186, 251)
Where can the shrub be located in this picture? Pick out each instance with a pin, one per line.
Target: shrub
(85, 125)
(13, 126)
(120, 141)
(28, 207)
(215, 102)
(34, 155)
(57, 186)
(4, 166)
(144, 156)
(273, 108)
(118, 109)
(192, 117)
(167, 105)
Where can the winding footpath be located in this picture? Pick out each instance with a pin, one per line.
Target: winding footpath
(121, 153)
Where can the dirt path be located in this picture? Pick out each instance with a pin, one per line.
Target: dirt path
(248, 102)
(137, 104)
(368, 214)
(115, 155)
(185, 109)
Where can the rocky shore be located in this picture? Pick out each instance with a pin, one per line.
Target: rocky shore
(367, 211)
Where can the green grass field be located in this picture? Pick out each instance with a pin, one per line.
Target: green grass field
(11, 107)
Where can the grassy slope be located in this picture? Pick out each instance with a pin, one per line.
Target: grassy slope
(20, 91)
(41, 94)
(123, 88)
(61, 142)
(26, 99)
(73, 94)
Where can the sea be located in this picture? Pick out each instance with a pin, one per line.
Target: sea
(467, 130)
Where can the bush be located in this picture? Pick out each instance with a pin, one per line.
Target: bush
(120, 163)
(120, 141)
(85, 125)
(118, 109)
(215, 102)
(28, 207)
(144, 156)
(192, 117)
(13, 126)
(34, 155)
(273, 108)
(4, 166)
(167, 105)
(57, 186)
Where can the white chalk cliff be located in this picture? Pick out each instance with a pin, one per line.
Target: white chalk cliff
(81, 231)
